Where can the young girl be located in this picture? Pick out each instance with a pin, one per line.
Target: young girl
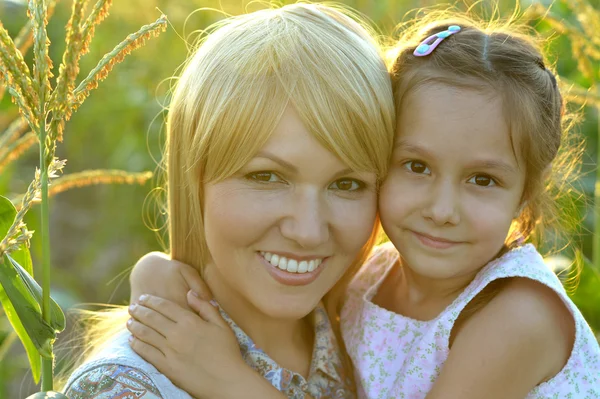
(459, 306)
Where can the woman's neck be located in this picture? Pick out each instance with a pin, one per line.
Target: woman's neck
(287, 341)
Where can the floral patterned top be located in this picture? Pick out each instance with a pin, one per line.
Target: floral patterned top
(398, 357)
(118, 372)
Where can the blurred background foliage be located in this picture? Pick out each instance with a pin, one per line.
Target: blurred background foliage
(99, 232)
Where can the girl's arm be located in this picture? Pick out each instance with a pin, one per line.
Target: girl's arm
(521, 338)
(157, 274)
(197, 350)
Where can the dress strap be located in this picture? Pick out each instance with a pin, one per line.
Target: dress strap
(524, 262)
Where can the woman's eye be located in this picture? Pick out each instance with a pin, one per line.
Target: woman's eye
(416, 167)
(263, 177)
(347, 185)
(482, 181)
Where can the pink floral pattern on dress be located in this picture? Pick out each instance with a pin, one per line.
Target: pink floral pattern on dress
(398, 357)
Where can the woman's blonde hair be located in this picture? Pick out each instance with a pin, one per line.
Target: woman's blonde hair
(322, 60)
(237, 85)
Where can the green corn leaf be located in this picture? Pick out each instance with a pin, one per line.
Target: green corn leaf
(35, 361)
(26, 307)
(8, 212)
(57, 317)
(7, 216)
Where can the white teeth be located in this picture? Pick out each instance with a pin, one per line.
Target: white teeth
(283, 263)
(303, 267)
(291, 265)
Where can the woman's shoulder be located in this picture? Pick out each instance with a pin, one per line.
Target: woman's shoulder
(108, 381)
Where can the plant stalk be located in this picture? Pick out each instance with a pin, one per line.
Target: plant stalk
(47, 364)
(596, 235)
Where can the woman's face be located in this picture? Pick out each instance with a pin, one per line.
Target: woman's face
(284, 229)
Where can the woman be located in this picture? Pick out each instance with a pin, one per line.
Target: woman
(279, 132)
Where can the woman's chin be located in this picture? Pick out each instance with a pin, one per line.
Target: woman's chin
(286, 308)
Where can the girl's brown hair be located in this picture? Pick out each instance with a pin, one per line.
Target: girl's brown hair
(500, 58)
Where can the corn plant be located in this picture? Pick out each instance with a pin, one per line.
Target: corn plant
(44, 109)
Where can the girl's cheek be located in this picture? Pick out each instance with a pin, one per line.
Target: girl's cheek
(396, 185)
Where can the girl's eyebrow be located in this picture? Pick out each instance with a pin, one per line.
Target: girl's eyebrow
(482, 164)
(404, 145)
(493, 164)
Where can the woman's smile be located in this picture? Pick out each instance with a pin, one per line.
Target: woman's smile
(290, 271)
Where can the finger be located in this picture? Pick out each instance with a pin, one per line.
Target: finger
(147, 352)
(195, 282)
(167, 308)
(205, 310)
(146, 334)
(151, 318)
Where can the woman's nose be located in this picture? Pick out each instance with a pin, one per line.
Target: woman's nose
(306, 222)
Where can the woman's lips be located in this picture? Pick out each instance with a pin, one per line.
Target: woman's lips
(289, 278)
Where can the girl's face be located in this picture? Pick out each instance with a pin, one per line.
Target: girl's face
(284, 229)
(455, 182)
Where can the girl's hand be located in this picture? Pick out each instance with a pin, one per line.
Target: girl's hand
(197, 352)
(159, 275)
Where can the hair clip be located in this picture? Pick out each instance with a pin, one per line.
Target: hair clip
(425, 48)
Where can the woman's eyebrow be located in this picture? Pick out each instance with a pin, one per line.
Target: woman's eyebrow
(293, 169)
(276, 159)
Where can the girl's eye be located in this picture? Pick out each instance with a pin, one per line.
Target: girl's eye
(263, 177)
(416, 167)
(482, 181)
(347, 185)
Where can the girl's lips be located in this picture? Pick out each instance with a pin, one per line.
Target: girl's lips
(434, 242)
